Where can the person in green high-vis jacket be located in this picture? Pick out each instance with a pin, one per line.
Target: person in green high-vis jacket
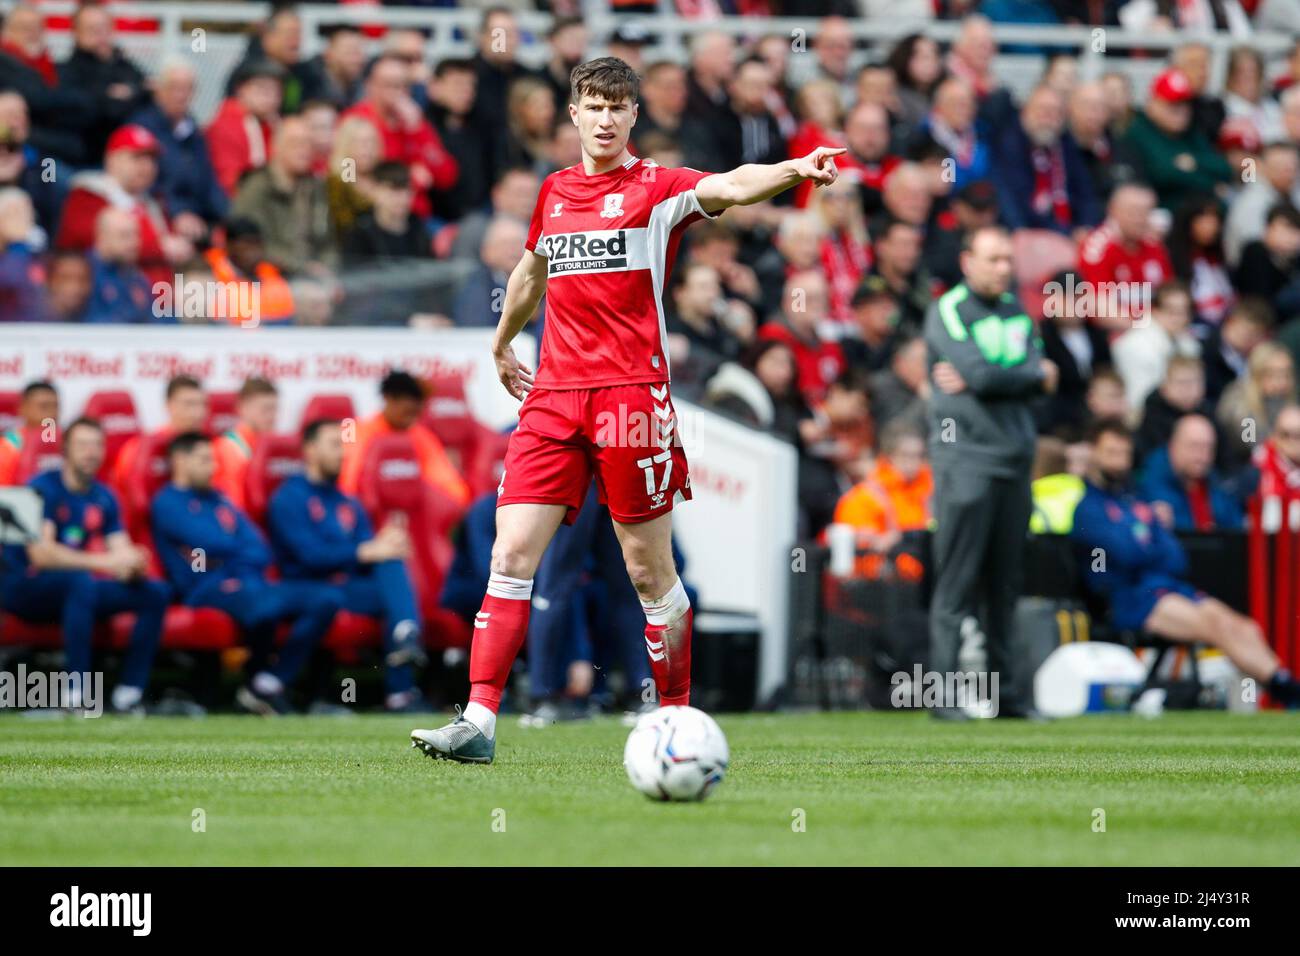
(986, 368)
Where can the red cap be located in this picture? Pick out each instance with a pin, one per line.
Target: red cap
(1238, 132)
(135, 138)
(1172, 86)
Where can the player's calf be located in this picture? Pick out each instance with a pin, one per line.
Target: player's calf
(668, 644)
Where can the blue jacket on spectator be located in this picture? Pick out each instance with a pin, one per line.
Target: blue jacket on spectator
(21, 298)
(184, 520)
(1133, 559)
(120, 293)
(47, 191)
(316, 540)
(467, 578)
(1013, 175)
(976, 166)
(186, 180)
(1159, 483)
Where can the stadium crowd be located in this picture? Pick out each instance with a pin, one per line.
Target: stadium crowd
(1156, 232)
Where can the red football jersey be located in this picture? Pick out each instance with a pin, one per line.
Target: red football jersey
(609, 241)
(1105, 259)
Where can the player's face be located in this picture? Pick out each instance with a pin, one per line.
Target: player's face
(197, 468)
(987, 265)
(909, 457)
(326, 452)
(1112, 457)
(603, 126)
(188, 409)
(402, 413)
(84, 450)
(40, 406)
(259, 412)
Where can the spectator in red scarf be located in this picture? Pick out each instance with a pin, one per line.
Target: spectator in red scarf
(239, 138)
(846, 250)
(971, 59)
(866, 133)
(1089, 125)
(59, 116)
(803, 309)
(1041, 178)
(1278, 459)
(407, 136)
(130, 171)
(952, 124)
(1181, 478)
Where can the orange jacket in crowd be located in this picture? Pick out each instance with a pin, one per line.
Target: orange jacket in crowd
(885, 501)
(233, 451)
(275, 299)
(11, 448)
(435, 467)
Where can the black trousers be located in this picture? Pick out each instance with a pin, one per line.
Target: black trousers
(978, 556)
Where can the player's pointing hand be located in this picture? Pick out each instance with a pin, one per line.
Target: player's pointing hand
(819, 165)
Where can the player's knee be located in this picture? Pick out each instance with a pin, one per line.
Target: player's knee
(78, 585)
(650, 578)
(1219, 626)
(513, 561)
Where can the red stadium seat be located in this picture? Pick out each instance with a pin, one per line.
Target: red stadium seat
(275, 458)
(9, 402)
(15, 632)
(37, 454)
(337, 407)
(115, 411)
(185, 629)
(472, 446)
(349, 634)
(1039, 255)
(392, 489)
(223, 412)
(483, 469)
(148, 474)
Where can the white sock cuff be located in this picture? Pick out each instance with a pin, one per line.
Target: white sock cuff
(669, 608)
(511, 589)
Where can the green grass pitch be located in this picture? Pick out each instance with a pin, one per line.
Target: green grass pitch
(871, 789)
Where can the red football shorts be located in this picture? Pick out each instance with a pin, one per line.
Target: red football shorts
(623, 435)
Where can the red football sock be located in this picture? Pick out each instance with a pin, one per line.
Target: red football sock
(668, 643)
(499, 631)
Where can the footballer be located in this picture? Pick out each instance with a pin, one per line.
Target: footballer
(601, 245)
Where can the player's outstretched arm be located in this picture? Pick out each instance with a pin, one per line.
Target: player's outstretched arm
(753, 183)
(524, 290)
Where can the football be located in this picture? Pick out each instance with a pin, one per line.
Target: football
(676, 753)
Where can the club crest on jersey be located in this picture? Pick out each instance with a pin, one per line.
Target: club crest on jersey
(613, 206)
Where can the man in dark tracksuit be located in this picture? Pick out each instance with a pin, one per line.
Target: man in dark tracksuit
(986, 365)
(323, 535)
(215, 557)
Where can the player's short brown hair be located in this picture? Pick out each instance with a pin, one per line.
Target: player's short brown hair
(606, 77)
(256, 385)
(1108, 426)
